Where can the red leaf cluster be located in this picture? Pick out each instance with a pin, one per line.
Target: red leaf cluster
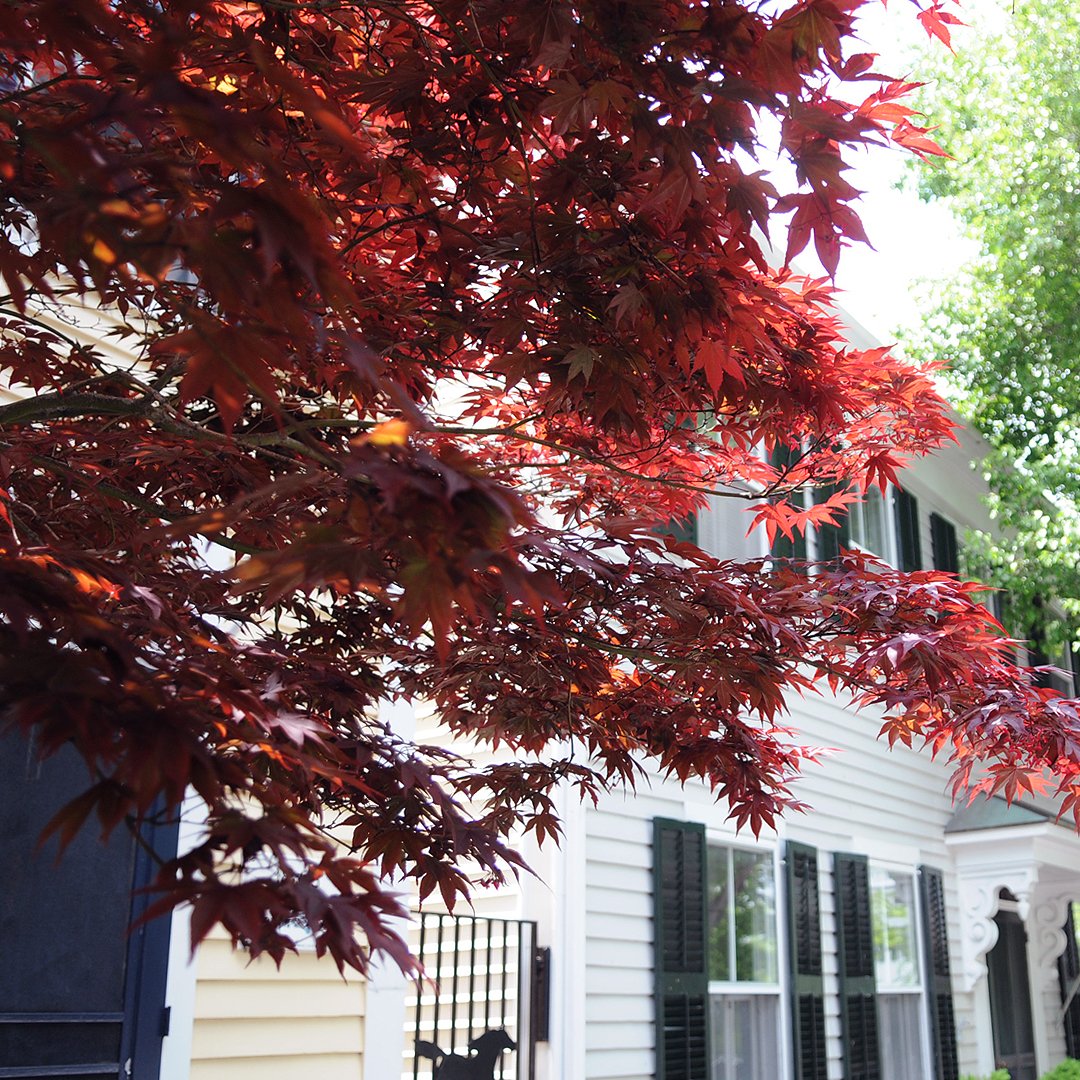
(359, 352)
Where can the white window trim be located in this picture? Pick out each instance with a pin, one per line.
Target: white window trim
(781, 988)
(927, 1066)
(891, 553)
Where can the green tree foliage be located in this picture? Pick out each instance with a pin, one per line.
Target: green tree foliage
(1009, 325)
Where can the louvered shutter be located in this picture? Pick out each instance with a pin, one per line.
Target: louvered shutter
(1001, 608)
(946, 550)
(685, 530)
(1074, 663)
(831, 538)
(938, 984)
(1068, 975)
(1037, 658)
(804, 934)
(909, 543)
(682, 978)
(784, 547)
(855, 945)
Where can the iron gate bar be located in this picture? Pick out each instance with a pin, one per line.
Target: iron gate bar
(438, 973)
(472, 978)
(453, 990)
(419, 1014)
(520, 997)
(440, 1028)
(505, 950)
(487, 979)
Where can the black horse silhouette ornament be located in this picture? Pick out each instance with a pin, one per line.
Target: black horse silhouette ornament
(484, 1052)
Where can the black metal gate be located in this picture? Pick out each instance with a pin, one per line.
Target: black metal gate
(482, 1005)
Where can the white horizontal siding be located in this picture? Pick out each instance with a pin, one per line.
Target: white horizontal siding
(619, 1006)
(890, 805)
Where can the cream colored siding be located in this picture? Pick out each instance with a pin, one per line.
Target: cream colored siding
(255, 1022)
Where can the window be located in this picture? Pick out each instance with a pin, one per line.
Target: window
(890, 533)
(744, 967)
(897, 973)
(870, 525)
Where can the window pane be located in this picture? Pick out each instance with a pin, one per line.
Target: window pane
(896, 953)
(901, 1039)
(869, 522)
(719, 914)
(755, 917)
(874, 513)
(745, 1037)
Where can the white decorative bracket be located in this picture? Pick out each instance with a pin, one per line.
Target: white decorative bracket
(1046, 932)
(980, 888)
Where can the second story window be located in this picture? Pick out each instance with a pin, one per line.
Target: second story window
(869, 525)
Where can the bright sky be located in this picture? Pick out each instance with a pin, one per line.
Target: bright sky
(912, 240)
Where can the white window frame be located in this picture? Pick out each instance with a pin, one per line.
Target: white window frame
(733, 989)
(888, 524)
(920, 991)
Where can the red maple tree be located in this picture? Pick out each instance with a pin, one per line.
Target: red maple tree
(359, 353)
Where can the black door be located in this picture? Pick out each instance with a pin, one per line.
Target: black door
(80, 997)
(1010, 998)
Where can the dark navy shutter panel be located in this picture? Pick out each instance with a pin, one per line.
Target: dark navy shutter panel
(831, 539)
(855, 946)
(80, 994)
(1001, 608)
(909, 542)
(804, 935)
(682, 977)
(946, 551)
(938, 983)
(1068, 974)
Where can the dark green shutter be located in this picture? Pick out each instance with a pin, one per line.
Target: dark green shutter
(793, 547)
(684, 530)
(1068, 974)
(804, 935)
(831, 539)
(1037, 657)
(1074, 663)
(784, 547)
(1001, 608)
(938, 983)
(682, 977)
(906, 509)
(946, 551)
(855, 947)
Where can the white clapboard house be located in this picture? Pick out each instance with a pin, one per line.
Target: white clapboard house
(885, 935)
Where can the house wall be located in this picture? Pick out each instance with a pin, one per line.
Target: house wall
(889, 805)
(255, 1022)
(892, 809)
